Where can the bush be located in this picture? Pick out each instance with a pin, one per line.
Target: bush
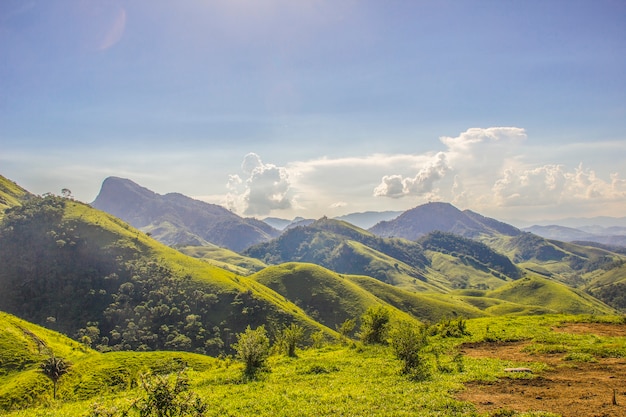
(169, 397)
(288, 338)
(374, 324)
(408, 341)
(253, 348)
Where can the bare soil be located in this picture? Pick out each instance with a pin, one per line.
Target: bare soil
(571, 389)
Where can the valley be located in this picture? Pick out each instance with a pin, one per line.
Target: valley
(161, 284)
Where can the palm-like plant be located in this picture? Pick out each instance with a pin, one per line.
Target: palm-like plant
(54, 368)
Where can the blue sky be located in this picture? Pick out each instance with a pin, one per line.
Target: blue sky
(514, 109)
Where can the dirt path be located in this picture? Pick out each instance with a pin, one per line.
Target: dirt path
(571, 389)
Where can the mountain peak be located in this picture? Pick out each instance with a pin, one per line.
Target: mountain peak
(445, 217)
(176, 219)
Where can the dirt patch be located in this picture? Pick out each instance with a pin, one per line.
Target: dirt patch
(599, 329)
(571, 389)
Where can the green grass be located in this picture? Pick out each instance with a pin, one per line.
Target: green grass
(224, 258)
(548, 296)
(10, 194)
(328, 297)
(331, 380)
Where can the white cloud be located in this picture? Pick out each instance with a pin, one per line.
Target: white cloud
(554, 185)
(265, 187)
(492, 171)
(423, 183)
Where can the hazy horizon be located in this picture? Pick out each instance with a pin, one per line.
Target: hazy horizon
(312, 108)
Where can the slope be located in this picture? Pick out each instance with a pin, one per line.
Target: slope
(10, 194)
(345, 248)
(544, 294)
(329, 297)
(224, 258)
(83, 272)
(175, 219)
(24, 346)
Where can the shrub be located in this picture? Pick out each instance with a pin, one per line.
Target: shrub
(169, 397)
(253, 348)
(289, 337)
(374, 324)
(408, 341)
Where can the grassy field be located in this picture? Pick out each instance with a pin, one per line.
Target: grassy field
(332, 380)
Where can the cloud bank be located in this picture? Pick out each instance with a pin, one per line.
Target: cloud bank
(491, 170)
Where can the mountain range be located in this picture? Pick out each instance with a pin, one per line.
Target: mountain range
(94, 276)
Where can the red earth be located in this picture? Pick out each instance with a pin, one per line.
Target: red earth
(566, 388)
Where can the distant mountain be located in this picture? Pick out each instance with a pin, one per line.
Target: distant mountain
(444, 217)
(612, 236)
(582, 223)
(369, 218)
(175, 219)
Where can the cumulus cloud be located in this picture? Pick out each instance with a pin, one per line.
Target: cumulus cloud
(265, 187)
(423, 183)
(471, 159)
(554, 184)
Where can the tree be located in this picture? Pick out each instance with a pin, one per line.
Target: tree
(253, 348)
(408, 341)
(374, 324)
(289, 337)
(54, 368)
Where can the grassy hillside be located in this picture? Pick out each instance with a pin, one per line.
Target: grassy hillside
(347, 249)
(426, 307)
(328, 297)
(547, 296)
(24, 346)
(224, 258)
(10, 194)
(335, 379)
(90, 274)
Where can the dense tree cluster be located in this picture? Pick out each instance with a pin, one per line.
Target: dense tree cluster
(478, 254)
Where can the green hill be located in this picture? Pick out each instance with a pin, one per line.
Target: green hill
(224, 258)
(24, 346)
(83, 272)
(547, 296)
(426, 307)
(328, 297)
(10, 194)
(345, 248)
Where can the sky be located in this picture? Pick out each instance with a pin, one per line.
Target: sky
(282, 108)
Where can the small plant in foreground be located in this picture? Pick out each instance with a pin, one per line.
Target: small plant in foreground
(408, 341)
(253, 349)
(54, 368)
(345, 329)
(169, 397)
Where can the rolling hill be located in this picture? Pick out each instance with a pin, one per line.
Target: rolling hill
(83, 272)
(439, 263)
(175, 219)
(24, 346)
